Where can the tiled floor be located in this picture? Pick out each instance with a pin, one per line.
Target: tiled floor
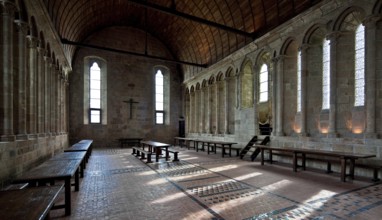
(117, 185)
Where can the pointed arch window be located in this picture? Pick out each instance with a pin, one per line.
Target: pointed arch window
(299, 81)
(326, 74)
(159, 98)
(95, 97)
(95, 93)
(359, 84)
(263, 81)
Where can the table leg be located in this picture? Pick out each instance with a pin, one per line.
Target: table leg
(229, 148)
(343, 169)
(351, 168)
(77, 180)
(167, 154)
(270, 156)
(196, 146)
(68, 207)
(157, 152)
(294, 161)
(303, 161)
(262, 156)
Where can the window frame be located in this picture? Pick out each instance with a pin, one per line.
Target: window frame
(264, 82)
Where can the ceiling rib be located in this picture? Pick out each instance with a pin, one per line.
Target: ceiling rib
(68, 42)
(190, 17)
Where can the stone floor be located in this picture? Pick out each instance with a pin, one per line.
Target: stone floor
(117, 185)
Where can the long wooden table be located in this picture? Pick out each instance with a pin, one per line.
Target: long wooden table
(156, 147)
(84, 145)
(28, 203)
(212, 145)
(344, 157)
(183, 141)
(73, 155)
(50, 171)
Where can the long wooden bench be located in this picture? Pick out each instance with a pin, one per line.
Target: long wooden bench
(143, 154)
(175, 154)
(330, 161)
(343, 157)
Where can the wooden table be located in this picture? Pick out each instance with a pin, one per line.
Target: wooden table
(344, 157)
(157, 148)
(84, 145)
(212, 145)
(28, 203)
(73, 155)
(50, 171)
(129, 141)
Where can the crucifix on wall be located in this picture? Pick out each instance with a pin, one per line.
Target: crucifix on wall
(131, 102)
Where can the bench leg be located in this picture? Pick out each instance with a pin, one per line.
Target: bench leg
(375, 175)
(133, 151)
(143, 156)
(329, 168)
(176, 156)
(149, 158)
(138, 153)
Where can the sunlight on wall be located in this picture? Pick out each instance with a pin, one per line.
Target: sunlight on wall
(296, 128)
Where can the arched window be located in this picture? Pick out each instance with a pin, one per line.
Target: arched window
(95, 94)
(299, 81)
(359, 84)
(326, 74)
(159, 98)
(263, 83)
(95, 91)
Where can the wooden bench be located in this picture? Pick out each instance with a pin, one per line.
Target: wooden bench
(143, 154)
(175, 154)
(157, 148)
(15, 186)
(343, 157)
(28, 203)
(330, 161)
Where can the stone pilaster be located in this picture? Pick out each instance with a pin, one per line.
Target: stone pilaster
(6, 67)
(279, 92)
(370, 78)
(53, 111)
(40, 91)
(47, 87)
(333, 37)
(20, 87)
(31, 86)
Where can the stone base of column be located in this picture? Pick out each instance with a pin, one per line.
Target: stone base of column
(280, 133)
(41, 135)
(21, 137)
(7, 138)
(333, 135)
(371, 135)
(32, 136)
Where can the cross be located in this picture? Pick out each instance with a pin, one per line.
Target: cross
(131, 102)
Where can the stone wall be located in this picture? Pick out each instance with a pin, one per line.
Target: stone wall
(128, 77)
(343, 127)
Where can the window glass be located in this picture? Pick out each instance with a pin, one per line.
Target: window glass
(263, 79)
(326, 74)
(359, 90)
(299, 81)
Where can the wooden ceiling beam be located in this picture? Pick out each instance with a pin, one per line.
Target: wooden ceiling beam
(78, 44)
(174, 12)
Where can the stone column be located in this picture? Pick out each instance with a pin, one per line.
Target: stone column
(198, 112)
(53, 102)
(59, 103)
(204, 109)
(333, 84)
(304, 63)
(40, 91)
(279, 92)
(31, 86)
(208, 105)
(370, 78)
(20, 74)
(6, 66)
(66, 105)
(225, 86)
(48, 96)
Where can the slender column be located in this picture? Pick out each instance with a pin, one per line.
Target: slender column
(40, 91)
(201, 109)
(188, 116)
(333, 84)
(6, 66)
(20, 74)
(208, 119)
(58, 105)
(192, 111)
(304, 63)
(31, 85)
(48, 92)
(225, 85)
(205, 109)
(66, 105)
(279, 82)
(197, 110)
(256, 71)
(217, 106)
(62, 104)
(371, 54)
(53, 100)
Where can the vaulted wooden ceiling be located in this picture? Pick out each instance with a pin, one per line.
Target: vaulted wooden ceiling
(200, 32)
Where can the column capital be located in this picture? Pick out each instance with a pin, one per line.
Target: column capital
(303, 47)
(7, 8)
(371, 21)
(21, 26)
(333, 36)
(278, 58)
(48, 60)
(32, 41)
(42, 51)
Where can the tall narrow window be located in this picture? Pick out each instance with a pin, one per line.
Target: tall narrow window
(263, 80)
(359, 90)
(95, 94)
(159, 98)
(299, 81)
(326, 74)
